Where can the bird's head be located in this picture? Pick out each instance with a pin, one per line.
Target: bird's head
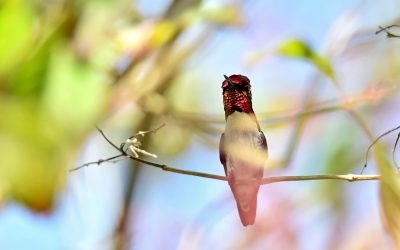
(236, 83)
(236, 91)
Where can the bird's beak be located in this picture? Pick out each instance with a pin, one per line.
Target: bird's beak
(229, 81)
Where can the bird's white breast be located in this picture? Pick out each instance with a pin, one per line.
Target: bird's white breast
(242, 144)
(241, 129)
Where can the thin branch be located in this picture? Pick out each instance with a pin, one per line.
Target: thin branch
(112, 159)
(143, 133)
(374, 142)
(393, 153)
(386, 30)
(267, 180)
(343, 177)
(121, 149)
(177, 170)
(129, 142)
(110, 142)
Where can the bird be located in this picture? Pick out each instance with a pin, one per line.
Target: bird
(243, 148)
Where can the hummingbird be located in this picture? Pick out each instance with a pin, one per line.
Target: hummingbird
(243, 148)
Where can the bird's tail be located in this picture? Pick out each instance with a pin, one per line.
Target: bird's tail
(246, 200)
(248, 217)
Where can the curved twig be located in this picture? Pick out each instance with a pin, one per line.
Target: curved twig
(374, 142)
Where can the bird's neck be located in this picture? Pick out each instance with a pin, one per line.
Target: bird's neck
(237, 102)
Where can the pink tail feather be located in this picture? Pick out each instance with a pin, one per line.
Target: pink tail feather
(248, 217)
(246, 201)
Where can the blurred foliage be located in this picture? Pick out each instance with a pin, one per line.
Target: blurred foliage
(49, 100)
(16, 19)
(341, 158)
(390, 194)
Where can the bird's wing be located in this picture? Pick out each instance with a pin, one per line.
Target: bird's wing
(222, 154)
(264, 147)
(263, 142)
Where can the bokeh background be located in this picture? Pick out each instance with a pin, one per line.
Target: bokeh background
(324, 86)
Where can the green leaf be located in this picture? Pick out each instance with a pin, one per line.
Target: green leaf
(323, 65)
(295, 48)
(16, 21)
(298, 49)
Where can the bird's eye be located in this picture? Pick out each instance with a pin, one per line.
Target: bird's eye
(244, 86)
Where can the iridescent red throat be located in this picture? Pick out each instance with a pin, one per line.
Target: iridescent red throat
(239, 101)
(236, 90)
